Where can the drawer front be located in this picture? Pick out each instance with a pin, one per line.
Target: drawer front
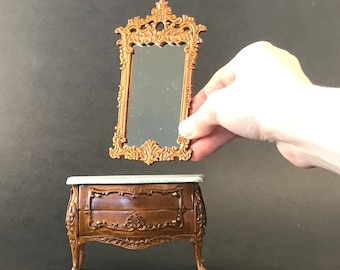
(136, 197)
(136, 223)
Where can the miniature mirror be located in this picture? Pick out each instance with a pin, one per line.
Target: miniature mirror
(158, 55)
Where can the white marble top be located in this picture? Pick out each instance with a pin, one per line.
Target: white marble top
(135, 179)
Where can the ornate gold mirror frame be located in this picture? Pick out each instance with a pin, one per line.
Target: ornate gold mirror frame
(160, 28)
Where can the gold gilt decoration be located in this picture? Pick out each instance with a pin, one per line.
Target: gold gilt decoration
(160, 28)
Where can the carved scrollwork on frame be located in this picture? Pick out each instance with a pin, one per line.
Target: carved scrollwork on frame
(160, 28)
(136, 222)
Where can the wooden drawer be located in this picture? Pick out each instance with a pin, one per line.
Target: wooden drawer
(136, 197)
(136, 223)
(152, 209)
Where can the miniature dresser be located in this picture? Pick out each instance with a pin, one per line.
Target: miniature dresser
(135, 212)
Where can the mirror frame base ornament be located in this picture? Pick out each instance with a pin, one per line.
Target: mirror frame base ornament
(160, 28)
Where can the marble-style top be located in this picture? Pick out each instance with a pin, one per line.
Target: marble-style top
(135, 179)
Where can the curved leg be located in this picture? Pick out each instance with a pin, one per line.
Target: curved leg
(81, 255)
(77, 254)
(75, 249)
(198, 255)
(201, 221)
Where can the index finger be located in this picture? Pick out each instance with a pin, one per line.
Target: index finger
(221, 79)
(197, 101)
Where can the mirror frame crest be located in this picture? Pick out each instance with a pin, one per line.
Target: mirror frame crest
(160, 28)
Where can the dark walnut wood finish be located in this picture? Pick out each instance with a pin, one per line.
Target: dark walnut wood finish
(135, 216)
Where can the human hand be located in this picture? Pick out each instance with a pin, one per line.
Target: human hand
(248, 97)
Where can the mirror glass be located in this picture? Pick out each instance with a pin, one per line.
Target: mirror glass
(155, 94)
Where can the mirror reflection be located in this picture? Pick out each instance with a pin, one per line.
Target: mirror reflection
(155, 94)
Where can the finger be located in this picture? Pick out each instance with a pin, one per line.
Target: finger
(221, 79)
(211, 143)
(197, 101)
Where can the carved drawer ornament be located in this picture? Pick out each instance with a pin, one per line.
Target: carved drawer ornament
(133, 243)
(135, 222)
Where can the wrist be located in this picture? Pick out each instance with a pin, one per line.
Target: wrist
(306, 129)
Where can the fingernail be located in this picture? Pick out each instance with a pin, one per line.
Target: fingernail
(186, 128)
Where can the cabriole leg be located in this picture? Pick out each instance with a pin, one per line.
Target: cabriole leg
(76, 258)
(72, 220)
(198, 255)
(81, 255)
